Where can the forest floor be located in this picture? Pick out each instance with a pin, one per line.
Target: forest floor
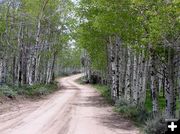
(75, 109)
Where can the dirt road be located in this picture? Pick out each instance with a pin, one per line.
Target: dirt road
(75, 109)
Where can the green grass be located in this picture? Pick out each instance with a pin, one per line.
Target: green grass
(36, 90)
(135, 113)
(7, 91)
(104, 91)
(161, 100)
(80, 81)
(141, 116)
(39, 90)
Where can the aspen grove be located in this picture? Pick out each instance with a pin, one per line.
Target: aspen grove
(129, 48)
(33, 35)
(133, 46)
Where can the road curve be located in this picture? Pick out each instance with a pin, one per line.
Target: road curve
(75, 109)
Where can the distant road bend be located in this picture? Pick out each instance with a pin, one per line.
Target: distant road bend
(75, 109)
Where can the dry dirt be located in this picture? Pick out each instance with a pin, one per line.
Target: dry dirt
(75, 109)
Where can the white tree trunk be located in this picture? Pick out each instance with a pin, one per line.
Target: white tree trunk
(37, 68)
(128, 77)
(117, 66)
(30, 75)
(135, 79)
(170, 87)
(143, 79)
(144, 83)
(113, 67)
(1, 69)
(154, 82)
(137, 90)
(48, 76)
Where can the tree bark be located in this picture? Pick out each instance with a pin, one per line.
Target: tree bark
(169, 87)
(128, 92)
(154, 83)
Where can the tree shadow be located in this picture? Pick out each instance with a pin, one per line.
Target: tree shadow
(91, 101)
(109, 118)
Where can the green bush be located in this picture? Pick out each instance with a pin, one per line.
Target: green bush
(104, 91)
(8, 91)
(121, 102)
(39, 89)
(1, 93)
(12, 91)
(127, 110)
(156, 125)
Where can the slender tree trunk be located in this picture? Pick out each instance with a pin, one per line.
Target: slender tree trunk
(48, 77)
(128, 77)
(24, 66)
(137, 90)
(1, 69)
(135, 79)
(145, 73)
(37, 74)
(143, 79)
(117, 66)
(20, 54)
(14, 69)
(113, 67)
(154, 83)
(20, 69)
(169, 88)
(163, 82)
(109, 65)
(53, 66)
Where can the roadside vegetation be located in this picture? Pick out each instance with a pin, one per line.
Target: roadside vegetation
(130, 46)
(104, 91)
(38, 90)
(133, 48)
(142, 116)
(36, 46)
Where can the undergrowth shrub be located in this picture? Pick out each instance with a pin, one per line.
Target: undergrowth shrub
(39, 89)
(156, 125)
(104, 91)
(12, 91)
(8, 91)
(141, 116)
(136, 113)
(1, 93)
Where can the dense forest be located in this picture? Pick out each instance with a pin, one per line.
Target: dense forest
(132, 47)
(34, 37)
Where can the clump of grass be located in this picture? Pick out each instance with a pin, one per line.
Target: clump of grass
(136, 113)
(81, 81)
(161, 101)
(155, 125)
(148, 102)
(7, 91)
(36, 90)
(104, 91)
(1, 93)
(141, 115)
